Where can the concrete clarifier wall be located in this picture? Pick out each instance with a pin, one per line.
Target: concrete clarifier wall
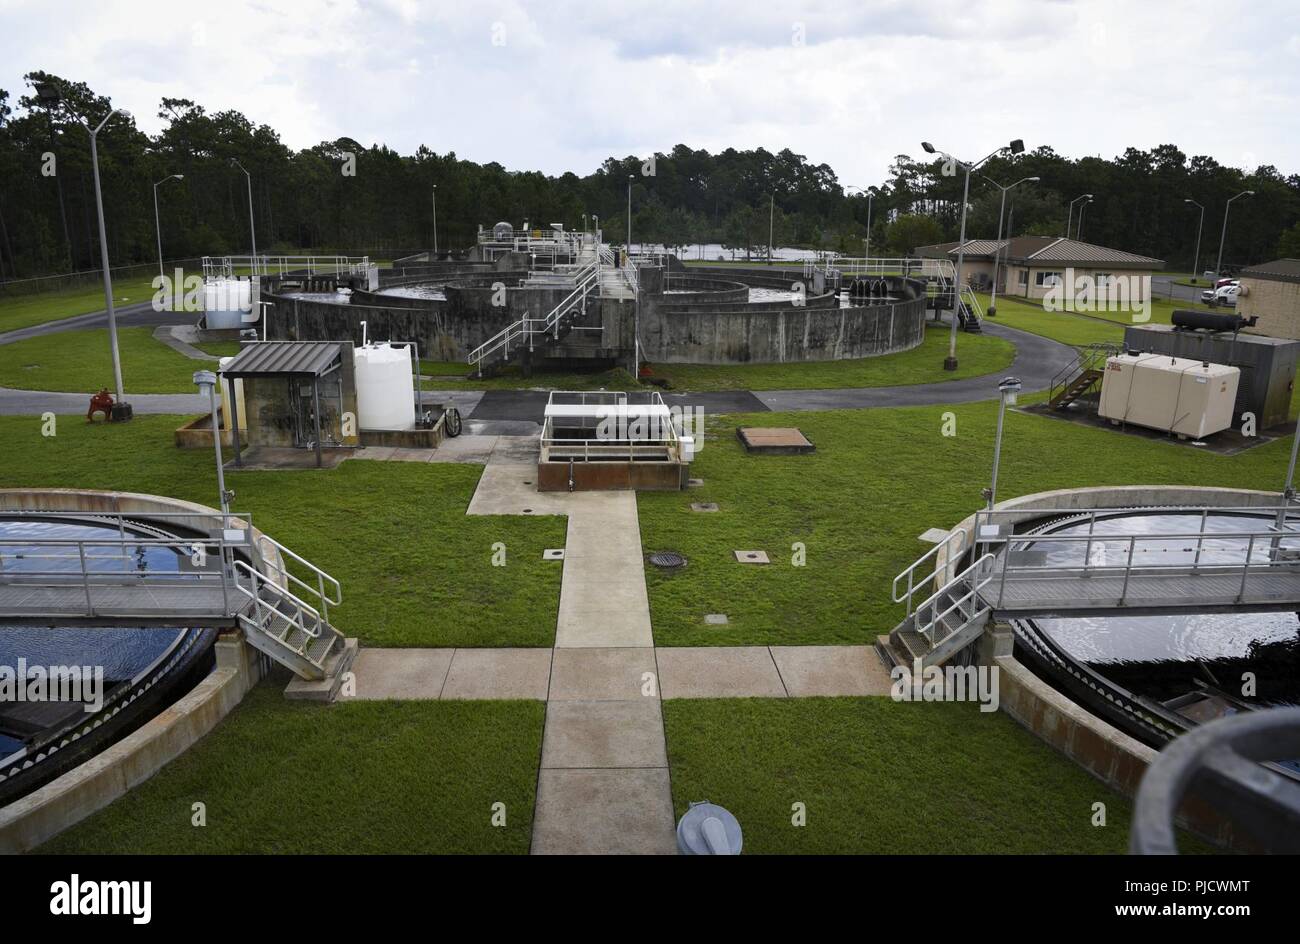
(91, 786)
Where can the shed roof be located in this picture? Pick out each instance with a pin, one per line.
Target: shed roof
(268, 358)
(1279, 270)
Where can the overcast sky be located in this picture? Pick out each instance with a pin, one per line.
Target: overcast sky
(561, 85)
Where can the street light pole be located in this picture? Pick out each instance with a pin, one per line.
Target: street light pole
(1007, 390)
(771, 217)
(629, 215)
(1015, 147)
(1078, 232)
(157, 222)
(1069, 223)
(1218, 266)
(252, 229)
(435, 220)
(1196, 257)
(997, 245)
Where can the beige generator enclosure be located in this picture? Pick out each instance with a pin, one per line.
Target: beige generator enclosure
(611, 440)
(1190, 398)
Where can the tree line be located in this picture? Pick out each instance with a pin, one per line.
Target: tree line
(339, 196)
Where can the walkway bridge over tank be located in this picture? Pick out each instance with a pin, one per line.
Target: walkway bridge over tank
(1099, 568)
(182, 570)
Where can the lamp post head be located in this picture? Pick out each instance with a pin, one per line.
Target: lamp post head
(1017, 146)
(48, 94)
(179, 176)
(1033, 179)
(927, 147)
(205, 379)
(1009, 387)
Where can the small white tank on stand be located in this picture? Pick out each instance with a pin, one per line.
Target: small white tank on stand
(385, 387)
(227, 303)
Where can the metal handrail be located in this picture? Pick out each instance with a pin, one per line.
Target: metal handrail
(910, 571)
(974, 586)
(585, 278)
(323, 578)
(260, 606)
(1086, 360)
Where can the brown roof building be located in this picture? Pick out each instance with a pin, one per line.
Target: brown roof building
(1030, 265)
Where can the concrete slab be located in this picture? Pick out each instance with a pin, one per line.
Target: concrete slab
(508, 488)
(400, 673)
(404, 454)
(465, 448)
(774, 440)
(604, 812)
(602, 674)
(583, 734)
(377, 453)
(830, 670)
(932, 535)
(498, 673)
(523, 449)
(752, 557)
(719, 672)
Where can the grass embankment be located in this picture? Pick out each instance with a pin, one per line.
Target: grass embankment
(415, 569)
(878, 776)
(286, 778)
(23, 311)
(82, 361)
(877, 480)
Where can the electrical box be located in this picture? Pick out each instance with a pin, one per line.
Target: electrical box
(1190, 398)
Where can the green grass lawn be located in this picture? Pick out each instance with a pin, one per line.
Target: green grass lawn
(22, 311)
(1066, 327)
(288, 778)
(416, 571)
(878, 776)
(82, 361)
(980, 354)
(877, 480)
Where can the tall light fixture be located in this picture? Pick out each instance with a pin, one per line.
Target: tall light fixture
(435, 221)
(252, 229)
(50, 92)
(1196, 257)
(997, 246)
(1069, 223)
(157, 223)
(1218, 266)
(1015, 147)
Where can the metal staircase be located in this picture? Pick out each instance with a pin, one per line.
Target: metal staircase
(949, 619)
(596, 274)
(1083, 376)
(281, 624)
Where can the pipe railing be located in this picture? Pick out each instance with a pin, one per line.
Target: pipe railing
(909, 573)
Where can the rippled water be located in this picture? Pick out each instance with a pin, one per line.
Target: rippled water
(1145, 652)
(433, 292)
(121, 651)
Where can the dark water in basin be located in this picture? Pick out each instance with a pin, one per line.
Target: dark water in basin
(122, 652)
(1159, 655)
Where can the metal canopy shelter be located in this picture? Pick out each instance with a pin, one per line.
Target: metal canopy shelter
(312, 359)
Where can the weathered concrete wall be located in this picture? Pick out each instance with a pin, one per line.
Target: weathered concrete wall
(787, 334)
(89, 787)
(1276, 304)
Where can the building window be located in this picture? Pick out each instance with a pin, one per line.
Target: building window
(1102, 279)
(1024, 276)
(1046, 278)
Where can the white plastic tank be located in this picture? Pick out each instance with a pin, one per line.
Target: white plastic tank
(385, 387)
(226, 302)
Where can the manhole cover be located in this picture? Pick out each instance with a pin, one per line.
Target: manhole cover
(667, 559)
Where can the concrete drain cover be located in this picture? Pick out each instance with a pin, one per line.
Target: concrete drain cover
(553, 553)
(704, 506)
(752, 557)
(667, 559)
(694, 483)
(715, 619)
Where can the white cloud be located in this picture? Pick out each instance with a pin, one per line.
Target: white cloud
(576, 82)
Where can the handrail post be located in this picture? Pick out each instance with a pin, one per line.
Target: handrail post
(225, 592)
(1245, 569)
(1128, 569)
(85, 578)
